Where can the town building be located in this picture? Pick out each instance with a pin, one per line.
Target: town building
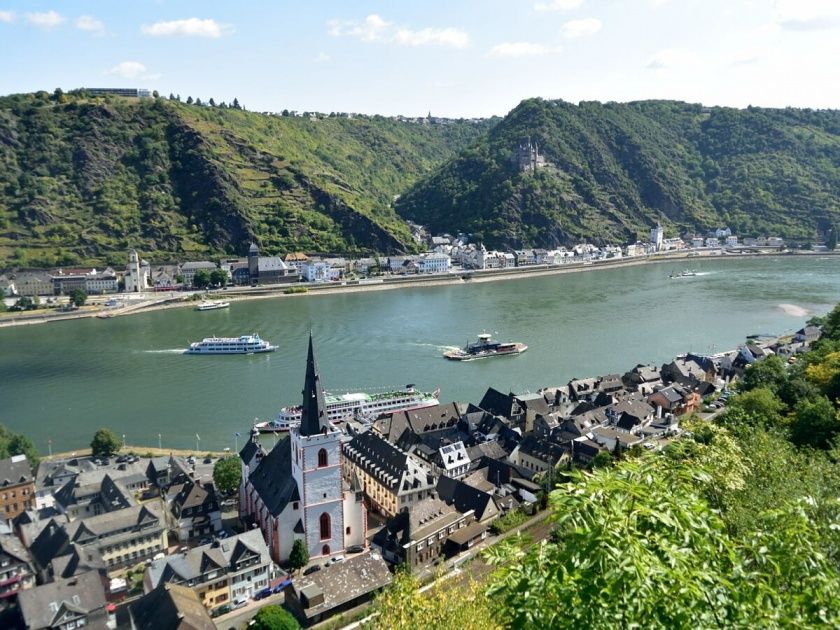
(124, 92)
(319, 271)
(189, 269)
(268, 269)
(168, 607)
(16, 570)
(32, 283)
(434, 263)
(17, 486)
(137, 273)
(296, 491)
(390, 478)
(657, 236)
(65, 604)
(193, 510)
(338, 587)
(218, 572)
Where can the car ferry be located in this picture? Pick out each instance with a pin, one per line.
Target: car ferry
(356, 406)
(244, 344)
(485, 347)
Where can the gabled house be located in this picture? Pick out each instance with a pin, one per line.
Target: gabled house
(169, 607)
(16, 569)
(467, 499)
(193, 510)
(538, 455)
(67, 603)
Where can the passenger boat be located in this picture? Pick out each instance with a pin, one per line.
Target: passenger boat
(485, 347)
(356, 406)
(244, 344)
(682, 274)
(210, 305)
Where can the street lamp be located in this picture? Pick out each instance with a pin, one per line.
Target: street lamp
(123, 440)
(236, 441)
(197, 440)
(160, 448)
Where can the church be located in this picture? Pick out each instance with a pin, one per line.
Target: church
(296, 490)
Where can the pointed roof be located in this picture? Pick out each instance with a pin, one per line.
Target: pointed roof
(314, 418)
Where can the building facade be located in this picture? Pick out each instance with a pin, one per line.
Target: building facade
(17, 486)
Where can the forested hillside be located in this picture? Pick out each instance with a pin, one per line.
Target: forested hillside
(82, 180)
(615, 169)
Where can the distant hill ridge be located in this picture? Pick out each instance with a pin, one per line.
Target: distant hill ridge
(84, 179)
(613, 170)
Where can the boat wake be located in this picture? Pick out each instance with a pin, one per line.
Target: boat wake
(793, 310)
(437, 347)
(166, 351)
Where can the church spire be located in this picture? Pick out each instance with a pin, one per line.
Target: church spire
(314, 413)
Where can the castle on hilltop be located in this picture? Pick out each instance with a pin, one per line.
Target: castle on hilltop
(528, 158)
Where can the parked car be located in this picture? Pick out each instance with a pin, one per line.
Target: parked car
(335, 560)
(239, 602)
(355, 549)
(262, 593)
(282, 585)
(205, 540)
(222, 535)
(221, 610)
(312, 569)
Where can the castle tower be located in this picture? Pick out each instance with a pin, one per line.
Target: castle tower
(132, 273)
(657, 236)
(316, 468)
(254, 262)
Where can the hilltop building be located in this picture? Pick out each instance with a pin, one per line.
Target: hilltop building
(296, 491)
(528, 158)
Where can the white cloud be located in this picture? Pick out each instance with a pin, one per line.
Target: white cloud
(131, 70)
(7, 16)
(807, 15)
(521, 49)
(557, 5)
(91, 24)
(454, 37)
(376, 29)
(190, 27)
(581, 28)
(322, 57)
(48, 20)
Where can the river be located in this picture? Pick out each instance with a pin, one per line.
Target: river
(62, 381)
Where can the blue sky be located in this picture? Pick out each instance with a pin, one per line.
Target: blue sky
(453, 58)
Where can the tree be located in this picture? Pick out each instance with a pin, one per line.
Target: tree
(756, 408)
(831, 238)
(299, 557)
(770, 373)
(227, 473)
(235, 104)
(274, 618)
(211, 102)
(105, 443)
(155, 94)
(58, 95)
(825, 374)
(189, 100)
(816, 423)
(17, 444)
(201, 279)
(171, 96)
(198, 101)
(78, 297)
(602, 459)
(218, 277)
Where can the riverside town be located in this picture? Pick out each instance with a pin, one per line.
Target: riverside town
(387, 316)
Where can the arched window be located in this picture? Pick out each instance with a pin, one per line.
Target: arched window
(322, 458)
(325, 550)
(326, 534)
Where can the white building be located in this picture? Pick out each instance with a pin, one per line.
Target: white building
(434, 263)
(98, 282)
(657, 235)
(318, 271)
(137, 273)
(712, 242)
(697, 242)
(731, 241)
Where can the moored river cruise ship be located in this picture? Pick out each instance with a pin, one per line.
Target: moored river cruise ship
(358, 406)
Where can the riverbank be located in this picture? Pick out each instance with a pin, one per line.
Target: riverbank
(236, 294)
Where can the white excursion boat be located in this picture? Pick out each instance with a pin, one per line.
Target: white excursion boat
(210, 305)
(359, 406)
(244, 344)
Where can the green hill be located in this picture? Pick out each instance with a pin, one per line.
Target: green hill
(615, 169)
(82, 180)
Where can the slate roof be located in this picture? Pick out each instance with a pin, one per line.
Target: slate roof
(41, 606)
(418, 421)
(392, 467)
(191, 495)
(11, 546)
(464, 497)
(170, 607)
(15, 470)
(314, 417)
(493, 450)
(181, 567)
(499, 404)
(76, 560)
(542, 450)
(272, 478)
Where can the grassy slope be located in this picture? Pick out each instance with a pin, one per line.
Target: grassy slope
(83, 180)
(618, 168)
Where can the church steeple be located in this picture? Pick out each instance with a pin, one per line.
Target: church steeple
(314, 413)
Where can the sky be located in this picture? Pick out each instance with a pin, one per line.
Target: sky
(458, 58)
